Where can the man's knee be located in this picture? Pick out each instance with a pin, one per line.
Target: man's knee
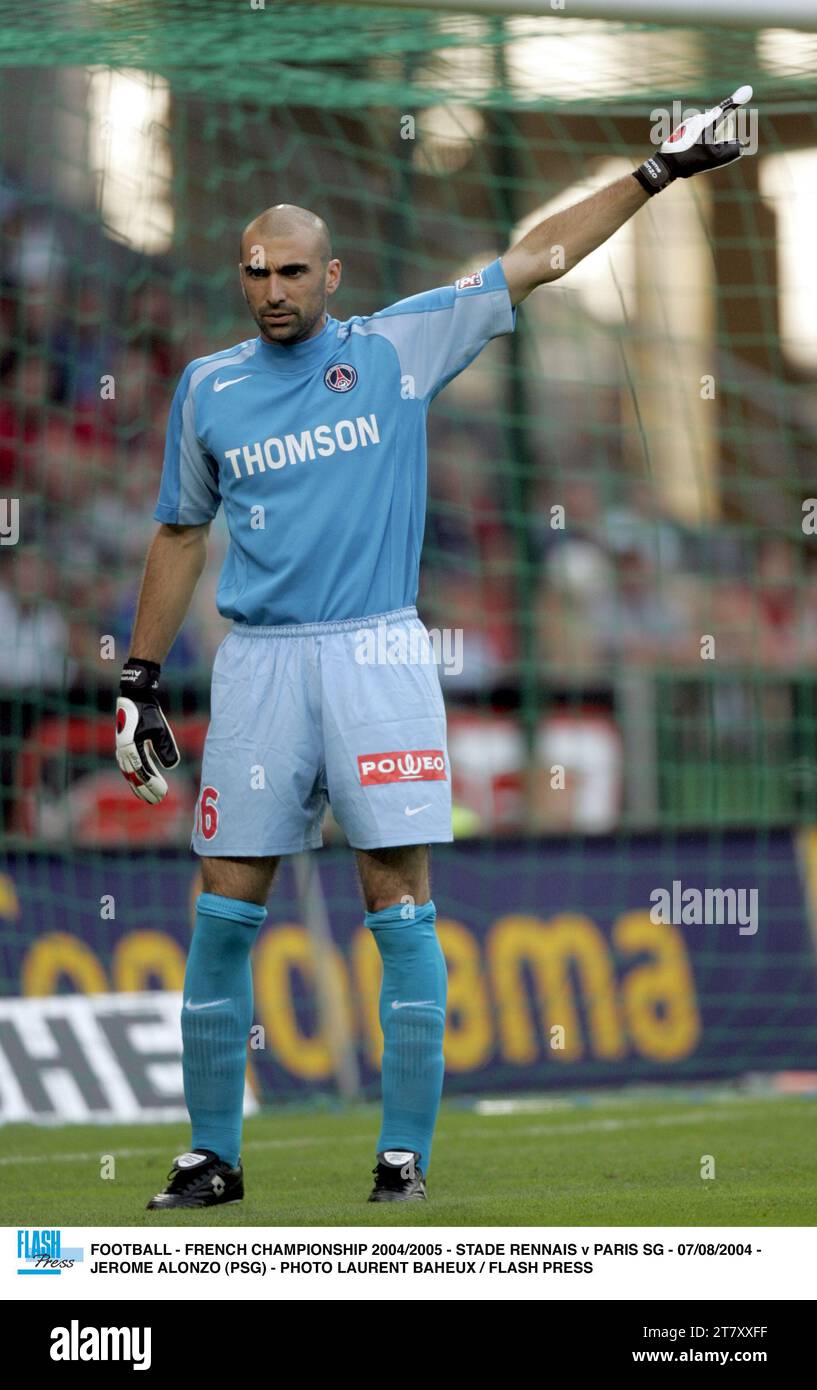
(394, 877)
(248, 880)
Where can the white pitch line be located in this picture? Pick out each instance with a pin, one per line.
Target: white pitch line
(600, 1126)
(164, 1148)
(546, 1105)
(688, 1117)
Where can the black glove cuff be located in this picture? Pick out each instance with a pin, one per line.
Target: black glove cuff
(139, 678)
(654, 174)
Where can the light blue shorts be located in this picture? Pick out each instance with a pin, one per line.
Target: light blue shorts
(348, 713)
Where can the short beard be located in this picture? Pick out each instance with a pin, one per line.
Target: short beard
(296, 331)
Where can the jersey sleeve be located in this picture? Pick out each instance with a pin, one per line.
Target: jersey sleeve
(189, 492)
(437, 334)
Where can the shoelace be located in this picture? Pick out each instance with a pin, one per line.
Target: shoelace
(180, 1180)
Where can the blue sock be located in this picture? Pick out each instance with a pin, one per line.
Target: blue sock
(216, 1020)
(412, 1016)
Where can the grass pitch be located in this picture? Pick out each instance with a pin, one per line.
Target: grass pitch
(626, 1160)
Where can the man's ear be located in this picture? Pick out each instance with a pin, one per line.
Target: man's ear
(241, 280)
(333, 276)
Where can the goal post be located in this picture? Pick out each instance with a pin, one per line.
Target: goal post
(740, 14)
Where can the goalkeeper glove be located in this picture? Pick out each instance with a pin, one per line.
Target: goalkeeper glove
(143, 735)
(692, 148)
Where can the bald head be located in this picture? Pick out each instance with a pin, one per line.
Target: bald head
(287, 272)
(290, 221)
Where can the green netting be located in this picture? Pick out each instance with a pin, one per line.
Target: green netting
(139, 139)
(662, 396)
(339, 56)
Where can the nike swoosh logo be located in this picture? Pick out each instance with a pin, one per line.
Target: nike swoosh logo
(412, 810)
(222, 385)
(411, 1003)
(211, 1004)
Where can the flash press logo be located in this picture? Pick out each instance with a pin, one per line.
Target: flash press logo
(75, 1343)
(42, 1252)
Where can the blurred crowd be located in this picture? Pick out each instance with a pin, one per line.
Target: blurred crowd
(612, 583)
(609, 578)
(86, 378)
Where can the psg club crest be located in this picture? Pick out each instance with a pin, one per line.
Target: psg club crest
(341, 377)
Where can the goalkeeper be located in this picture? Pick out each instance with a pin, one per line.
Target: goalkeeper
(312, 434)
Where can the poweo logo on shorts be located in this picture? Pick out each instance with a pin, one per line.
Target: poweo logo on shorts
(418, 765)
(341, 377)
(470, 282)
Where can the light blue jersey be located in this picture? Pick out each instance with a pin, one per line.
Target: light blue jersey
(318, 452)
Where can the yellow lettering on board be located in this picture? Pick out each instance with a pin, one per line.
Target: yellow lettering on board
(143, 957)
(658, 997)
(281, 952)
(367, 972)
(469, 1032)
(61, 954)
(550, 951)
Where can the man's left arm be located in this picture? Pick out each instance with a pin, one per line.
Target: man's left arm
(554, 246)
(559, 242)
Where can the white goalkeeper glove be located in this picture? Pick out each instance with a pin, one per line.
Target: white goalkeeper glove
(143, 735)
(692, 148)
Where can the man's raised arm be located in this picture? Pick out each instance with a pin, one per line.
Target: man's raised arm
(555, 245)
